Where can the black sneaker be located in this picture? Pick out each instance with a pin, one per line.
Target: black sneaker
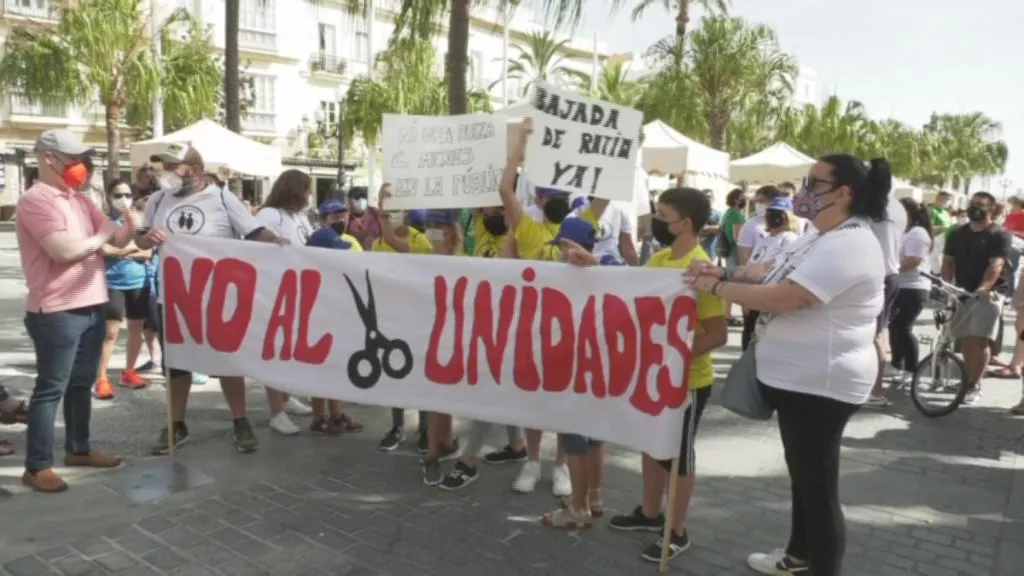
(431, 472)
(423, 447)
(461, 476)
(391, 440)
(506, 455)
(245, 440)
(636, 521)
(449, 452)
(149, 366)
(676, 545)
(180, 437)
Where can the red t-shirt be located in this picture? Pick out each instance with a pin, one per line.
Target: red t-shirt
(1015, 222)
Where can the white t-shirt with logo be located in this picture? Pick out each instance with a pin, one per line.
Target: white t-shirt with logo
(916, 244)
(889, 233)
(751, 231)
(768, 247)
(615, 221)
(828, 349)
(293, 226)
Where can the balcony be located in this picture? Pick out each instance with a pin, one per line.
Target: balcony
(326, 63)
(259, 40)
(22, 106)
(260, 122)
(32, 9)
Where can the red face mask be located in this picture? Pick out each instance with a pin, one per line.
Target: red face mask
(75, 175)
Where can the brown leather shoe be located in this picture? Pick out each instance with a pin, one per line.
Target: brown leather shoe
(93, 459)
(44, 481)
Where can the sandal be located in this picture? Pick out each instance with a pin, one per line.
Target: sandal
(348, 425)
(1005, 373)
(567, 519)
(17, 416)
(595, 505)
(6, 448)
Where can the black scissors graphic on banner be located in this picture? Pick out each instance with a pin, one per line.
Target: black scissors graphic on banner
(378, 354)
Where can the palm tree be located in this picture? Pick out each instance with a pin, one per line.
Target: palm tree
(681, 8)
(232, 73)
(614, 86)
(965, 147)
(99, 50)
(541, 58)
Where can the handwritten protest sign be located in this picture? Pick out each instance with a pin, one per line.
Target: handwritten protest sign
(604, 352)
(444, 161)
(582, 145)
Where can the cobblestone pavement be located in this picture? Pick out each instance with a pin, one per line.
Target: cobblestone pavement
(922, 497)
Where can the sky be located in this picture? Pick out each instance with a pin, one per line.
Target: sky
(902, 59)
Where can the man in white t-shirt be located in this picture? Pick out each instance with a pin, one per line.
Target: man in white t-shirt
(190, 202)
(889, 233)
(754, 229)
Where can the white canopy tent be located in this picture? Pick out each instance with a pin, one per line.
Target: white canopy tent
(220, 148)
(779, 162)
(668, 151)
(904, 189)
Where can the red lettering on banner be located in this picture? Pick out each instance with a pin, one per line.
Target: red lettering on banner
(588, 353)
(223, 335)
(454, 371)
(292, 296)
(651, 313)
(524, 367)
(558, 356)
(621, 338)
(493, 340)
(674, 396)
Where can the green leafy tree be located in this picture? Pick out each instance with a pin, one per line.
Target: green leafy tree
(541, 57)
(99, 50)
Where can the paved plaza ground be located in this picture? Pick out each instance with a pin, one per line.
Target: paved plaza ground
(922, 497)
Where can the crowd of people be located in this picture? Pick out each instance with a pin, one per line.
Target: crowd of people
(776, 262)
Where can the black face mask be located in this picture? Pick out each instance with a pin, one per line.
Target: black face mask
(661, 233)
(775, 219)
(976, 213)
(556, 209)
(495, 225)
(339, 227)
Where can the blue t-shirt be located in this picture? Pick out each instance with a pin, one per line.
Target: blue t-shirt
(709, 242)
(152, 269)
(123, 273)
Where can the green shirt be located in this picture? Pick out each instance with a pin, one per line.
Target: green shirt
(941, 220)
(731, 218)
(468, 230)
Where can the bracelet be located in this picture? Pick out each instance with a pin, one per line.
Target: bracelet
(715, 287)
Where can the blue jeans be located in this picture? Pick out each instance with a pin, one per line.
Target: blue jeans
(68, 346)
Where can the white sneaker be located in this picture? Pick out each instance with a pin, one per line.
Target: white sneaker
(774, 563)
(284, 425)
(972, 397)
(876, 402)
(528, 477)
(561, 483)
(297, 408)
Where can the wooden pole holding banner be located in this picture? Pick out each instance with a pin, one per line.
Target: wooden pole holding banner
(163, 357)
(670, 514)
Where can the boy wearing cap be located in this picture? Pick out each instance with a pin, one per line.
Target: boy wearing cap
(334, 215)
(190, 202)
(60, 233)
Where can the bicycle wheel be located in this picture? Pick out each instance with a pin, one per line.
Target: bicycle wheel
(939, 389)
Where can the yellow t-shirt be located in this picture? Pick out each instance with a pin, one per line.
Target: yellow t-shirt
(702, 370)
(418, 244)
(532, 238)
(488, 245)
(353, 243)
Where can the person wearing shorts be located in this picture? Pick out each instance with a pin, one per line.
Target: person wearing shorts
(128, 297)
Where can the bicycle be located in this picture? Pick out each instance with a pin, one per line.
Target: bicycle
(941, 365)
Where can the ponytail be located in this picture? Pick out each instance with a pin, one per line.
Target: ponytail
(870, 184)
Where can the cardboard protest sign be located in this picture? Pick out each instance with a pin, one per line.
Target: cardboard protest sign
(444, 161)
(603, 352)
(582, 145)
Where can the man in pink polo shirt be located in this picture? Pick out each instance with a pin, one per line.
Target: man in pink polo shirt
(60, 232)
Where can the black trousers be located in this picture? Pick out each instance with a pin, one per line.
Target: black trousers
(812, 429)
(902, 344)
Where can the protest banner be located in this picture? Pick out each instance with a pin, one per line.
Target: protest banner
(603, 352)
(582, 145)
(444, 161)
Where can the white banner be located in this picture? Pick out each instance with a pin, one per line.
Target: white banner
(604, 352)
(582, 145)
(444, 161)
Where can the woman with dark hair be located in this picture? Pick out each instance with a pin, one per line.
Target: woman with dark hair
(912, 289)
(814, 345)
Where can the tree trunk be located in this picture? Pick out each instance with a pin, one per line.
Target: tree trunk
(682, 20)
(113, 121)
(232, 81)
(458, 53)
(718, 126)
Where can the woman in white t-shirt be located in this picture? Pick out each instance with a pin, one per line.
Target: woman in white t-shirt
(912, 290)
(780, 226)
(814, 351)
(285, 213)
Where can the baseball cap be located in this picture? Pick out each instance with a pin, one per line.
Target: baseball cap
(417, 217)
(63, 141)
(332, 206)
(543, 192)
(327, 238)
(781, 203)
(179, 153)
(578, 230)
(579, 202)
(442, 216)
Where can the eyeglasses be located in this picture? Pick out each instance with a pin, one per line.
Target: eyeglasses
(123, 195)
(812, 182)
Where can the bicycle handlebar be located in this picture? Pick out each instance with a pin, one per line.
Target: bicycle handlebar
(955, 290)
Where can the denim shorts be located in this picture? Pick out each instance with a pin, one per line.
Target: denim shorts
(577, 445)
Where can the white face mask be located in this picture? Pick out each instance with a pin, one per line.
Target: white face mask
(436, 237)
(360, 205)
(121, 204)
(396, 218)
(170, 182)
(760, 209)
